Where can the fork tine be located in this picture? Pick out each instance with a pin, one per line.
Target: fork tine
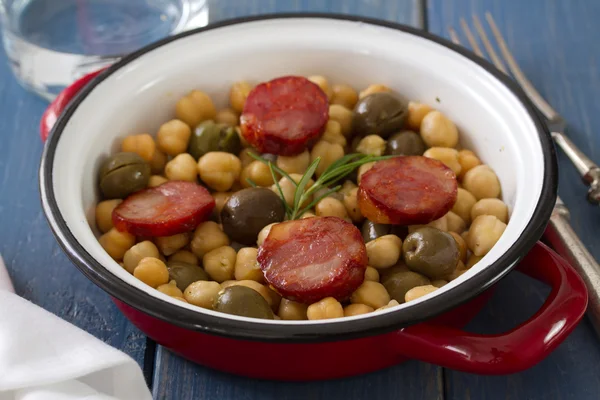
(453, 35)
(488, 46)
(471, 38)
(533, 94)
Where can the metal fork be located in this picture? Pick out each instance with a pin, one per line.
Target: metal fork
(559, 232)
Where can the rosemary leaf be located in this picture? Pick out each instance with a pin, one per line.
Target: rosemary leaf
(251, 182)
(287, 208)
(315, 201)
(299, 195)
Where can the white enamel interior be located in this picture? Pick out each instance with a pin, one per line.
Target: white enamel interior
(142, 95)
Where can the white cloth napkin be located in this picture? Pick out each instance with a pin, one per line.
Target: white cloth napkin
(43, 357)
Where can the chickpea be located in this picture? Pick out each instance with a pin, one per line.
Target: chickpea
(238, 94)
(170, 289)
(439, 283)
(245, 157)
(228, 117)
(158, 162)
(173, 137)
(392, 303)
(202, 293)
(455, 223)
(484, 232)
(219, 263)
(116, 243)
(246, 266)
(170, 244)
(343, 116)
(156, 180)
(290, 310)
(384, 251)
(194, 108)
(258, 173)
(438, 131)
(351, 204)
(419, 291)
(143, 145)
(219, 170)
(374, 88)
(184, 256)
(467, 160)
(357, 309)
(180, 299)
(104, 211)
(416, 113)
(495, 207)
(325, 309)
(333, 134)
(344, 95)
(473, 259)
(321, 82)
(440, 223)
(136, 253)
(331, 207)
(294, 164)
(308, 214)
(446, 155)
(220, 200)
(462, 246)
(371, 274)
(208, 236)
(463, 205)
(482, 182)
(264, 232)
(372, 145)
(288, 188)
(328, 152)
(372, 294)
(364, 168)
(152, 271)
(464, 235)
(182, 168)
(347, 187)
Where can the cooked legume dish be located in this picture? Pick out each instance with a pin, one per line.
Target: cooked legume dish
(301, 200)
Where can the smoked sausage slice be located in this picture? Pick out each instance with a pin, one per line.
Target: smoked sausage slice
(171, 208)
(407, 190)
(284, 116)
(309, 259)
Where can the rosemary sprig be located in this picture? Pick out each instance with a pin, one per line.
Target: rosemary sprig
(332, 174)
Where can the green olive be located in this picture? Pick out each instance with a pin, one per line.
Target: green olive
(405, 143)
(401, 282)
(248, 211)
(209, 136)
(243, 301)
(431, 252)
(380, 114)
(123, 174)
(185, 274)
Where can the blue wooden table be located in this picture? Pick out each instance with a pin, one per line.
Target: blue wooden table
(554, 41)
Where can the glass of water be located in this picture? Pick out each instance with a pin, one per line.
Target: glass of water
(51, 43)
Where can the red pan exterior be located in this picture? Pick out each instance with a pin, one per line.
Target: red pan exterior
(440, 341)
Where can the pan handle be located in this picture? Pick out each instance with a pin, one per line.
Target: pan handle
(61, 101)
(517, 349)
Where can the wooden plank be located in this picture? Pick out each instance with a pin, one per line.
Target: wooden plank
(553, 42)
(40, 271)
(176, 378)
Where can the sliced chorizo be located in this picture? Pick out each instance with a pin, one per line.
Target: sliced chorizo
(171, 208)
(407, 190)
(309, 259)
(285, 115)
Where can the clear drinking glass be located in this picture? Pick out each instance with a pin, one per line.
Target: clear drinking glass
(51, 43)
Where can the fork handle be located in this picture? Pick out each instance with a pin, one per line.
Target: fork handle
(589, 171)
(566, 243)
